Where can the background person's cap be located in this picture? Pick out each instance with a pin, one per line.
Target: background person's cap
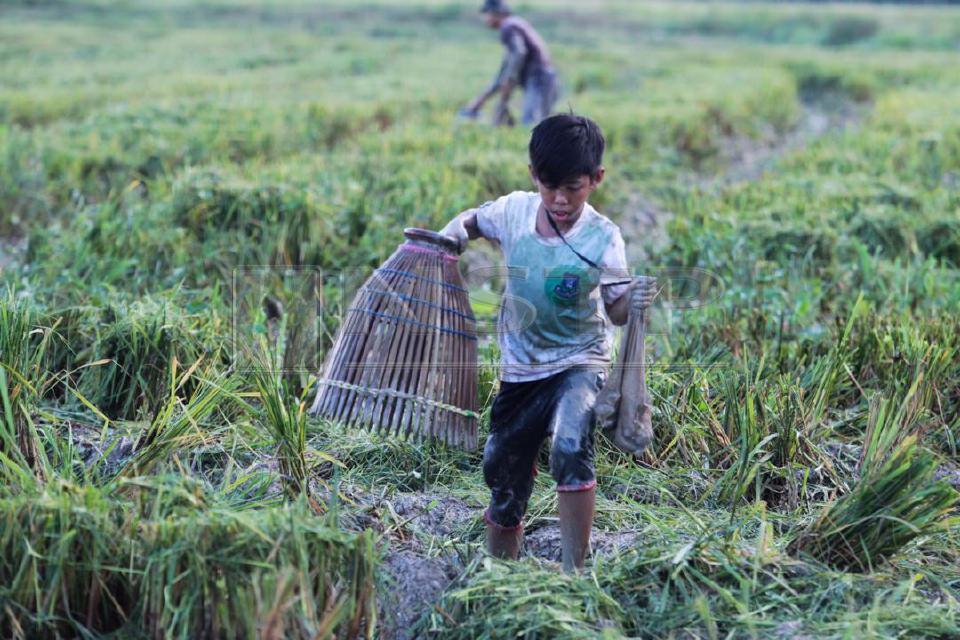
(495, 6)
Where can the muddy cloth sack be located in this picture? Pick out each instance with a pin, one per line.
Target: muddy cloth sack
(623, 407)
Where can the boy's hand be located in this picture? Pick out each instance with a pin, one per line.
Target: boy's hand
(643, 290)
(456, 230)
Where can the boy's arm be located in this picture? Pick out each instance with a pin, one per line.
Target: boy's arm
(462, 228)
(516, 55)
(619, 310)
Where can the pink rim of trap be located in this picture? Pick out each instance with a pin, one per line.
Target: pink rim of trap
(407, 246)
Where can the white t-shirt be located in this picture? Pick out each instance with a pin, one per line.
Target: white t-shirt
(552, 313)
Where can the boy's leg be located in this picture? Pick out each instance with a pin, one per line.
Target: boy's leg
(517, 428)
(576, 521)
(571, 461)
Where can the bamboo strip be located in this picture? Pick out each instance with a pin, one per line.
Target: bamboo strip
(455, 423)
(357, 346)
(378, 356)
(417, 290)
(424, 372)
(354, 328)
(412, 373)
(388, 373)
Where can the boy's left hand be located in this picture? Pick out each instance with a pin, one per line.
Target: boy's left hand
(643, 290)
(456, 230)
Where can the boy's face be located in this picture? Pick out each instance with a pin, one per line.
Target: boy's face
(564, 202)
(492, 19)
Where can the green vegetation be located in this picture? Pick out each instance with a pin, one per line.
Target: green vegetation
(174, 174)
(174, 562)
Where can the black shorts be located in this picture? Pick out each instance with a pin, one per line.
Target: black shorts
(523, 415)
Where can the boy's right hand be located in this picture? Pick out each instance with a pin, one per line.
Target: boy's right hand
(456, 230)
(643, 290)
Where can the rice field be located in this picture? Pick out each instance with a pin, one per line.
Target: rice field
(173, 173)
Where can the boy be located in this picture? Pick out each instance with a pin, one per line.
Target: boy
(567, 281)
(526, 63)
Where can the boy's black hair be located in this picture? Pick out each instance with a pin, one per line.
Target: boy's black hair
(566, 146)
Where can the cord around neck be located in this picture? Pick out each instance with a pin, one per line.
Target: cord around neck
(556, 229)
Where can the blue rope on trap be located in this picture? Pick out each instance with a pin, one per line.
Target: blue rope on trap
(423, 302)
(415, 323)
(407, 274)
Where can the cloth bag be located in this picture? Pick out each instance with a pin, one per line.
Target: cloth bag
(623, 408)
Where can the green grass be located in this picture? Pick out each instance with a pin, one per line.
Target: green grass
(173, 562)
(23, 381)
(170, 166)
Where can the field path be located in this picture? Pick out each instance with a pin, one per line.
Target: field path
(748, 159)
(643, 222)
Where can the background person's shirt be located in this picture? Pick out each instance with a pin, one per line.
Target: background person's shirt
(551, 314)
(526, 52)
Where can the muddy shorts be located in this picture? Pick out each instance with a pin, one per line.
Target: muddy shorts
(524, 414)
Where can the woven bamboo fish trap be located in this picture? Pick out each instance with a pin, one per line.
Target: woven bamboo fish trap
(404, 361)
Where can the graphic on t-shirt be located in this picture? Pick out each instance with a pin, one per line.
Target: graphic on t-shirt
(567, 286)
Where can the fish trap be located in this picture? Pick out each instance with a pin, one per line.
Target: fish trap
(404, 362)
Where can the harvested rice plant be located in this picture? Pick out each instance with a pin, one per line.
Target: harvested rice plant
(191, 194)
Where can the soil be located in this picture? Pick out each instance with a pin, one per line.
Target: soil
(415, 578)
(950, 473)
(435, 514)
(415, 582)
(96, 444)
(792, 630)
(414, 574)
(544, 543)
(644, 227)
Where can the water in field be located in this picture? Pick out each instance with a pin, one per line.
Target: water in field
(191, 194)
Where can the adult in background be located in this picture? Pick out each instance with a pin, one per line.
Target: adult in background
(526, 64)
